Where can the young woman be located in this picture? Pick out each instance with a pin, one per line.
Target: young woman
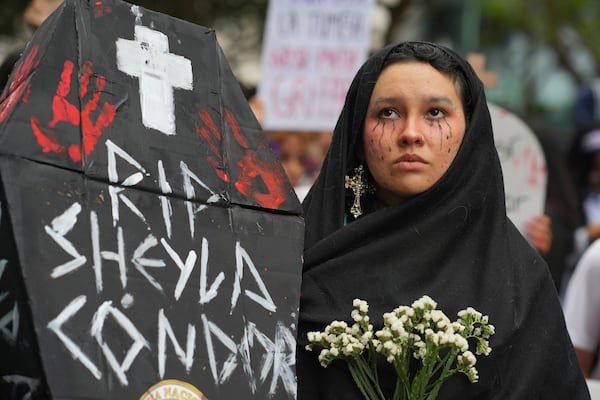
(410, 202)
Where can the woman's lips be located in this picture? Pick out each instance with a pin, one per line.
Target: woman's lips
(411, 158)
(410, 162)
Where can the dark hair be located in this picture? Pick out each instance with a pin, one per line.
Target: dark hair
(438, 59)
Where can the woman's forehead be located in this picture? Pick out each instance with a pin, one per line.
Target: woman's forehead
(416, 77)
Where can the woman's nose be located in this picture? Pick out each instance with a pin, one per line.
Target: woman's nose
(410, 133)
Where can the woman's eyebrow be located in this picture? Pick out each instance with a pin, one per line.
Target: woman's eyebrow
(396, 99)
(440, 99)
(386, 100)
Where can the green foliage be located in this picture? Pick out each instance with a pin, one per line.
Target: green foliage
(557, 24)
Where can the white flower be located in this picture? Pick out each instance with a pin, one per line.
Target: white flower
(361, 305)
(470, 312)
(423, 303)
(472, 374)
(420, 327)
(384, 334)
(467, 359)
(420, 331)
(336, 326)
(461, 343)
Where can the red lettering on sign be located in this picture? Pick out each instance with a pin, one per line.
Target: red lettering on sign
(64, 111)
(297, 58)
(293, 96)
(336, 59)
(299, 97)
(537, 170)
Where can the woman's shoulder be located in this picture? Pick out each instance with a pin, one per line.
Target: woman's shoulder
(589, 263)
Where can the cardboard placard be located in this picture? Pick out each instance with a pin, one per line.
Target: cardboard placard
(311, 52)
(523, 166)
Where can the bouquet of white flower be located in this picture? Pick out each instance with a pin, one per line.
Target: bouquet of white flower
(420, 332)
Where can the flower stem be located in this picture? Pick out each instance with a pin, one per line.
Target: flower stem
(370, 389)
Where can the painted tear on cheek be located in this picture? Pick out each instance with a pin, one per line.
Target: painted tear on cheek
(445, 133)
(382, 127)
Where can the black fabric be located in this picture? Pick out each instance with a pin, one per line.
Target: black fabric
(453, 243)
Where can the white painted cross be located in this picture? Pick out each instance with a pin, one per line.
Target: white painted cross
(159, 72)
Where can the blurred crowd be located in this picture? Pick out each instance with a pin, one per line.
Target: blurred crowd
(581, 301)
(300, 152)
(35, 13)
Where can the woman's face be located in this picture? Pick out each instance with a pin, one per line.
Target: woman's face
(414, 125)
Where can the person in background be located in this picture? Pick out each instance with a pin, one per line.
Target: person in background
(582, 298)
(582, 310)
(562, 207)
(36, 12)
(586, 108)
(583, 159)
(291, 147)
(301, 153)
(410, 202)
(316, 152)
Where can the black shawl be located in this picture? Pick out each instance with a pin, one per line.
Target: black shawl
(453, 243)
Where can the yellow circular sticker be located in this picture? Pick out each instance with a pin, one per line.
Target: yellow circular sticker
(172, 389)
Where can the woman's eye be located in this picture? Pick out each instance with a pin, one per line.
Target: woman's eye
(388, 113)
(436, 113)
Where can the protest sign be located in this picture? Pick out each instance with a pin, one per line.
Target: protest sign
(311, 51)
(150, 241)
(523, 166)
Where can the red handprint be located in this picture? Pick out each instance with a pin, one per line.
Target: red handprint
(18, 85)
(101, 9)
(250, 164)
(65, 112)
(211, 134)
